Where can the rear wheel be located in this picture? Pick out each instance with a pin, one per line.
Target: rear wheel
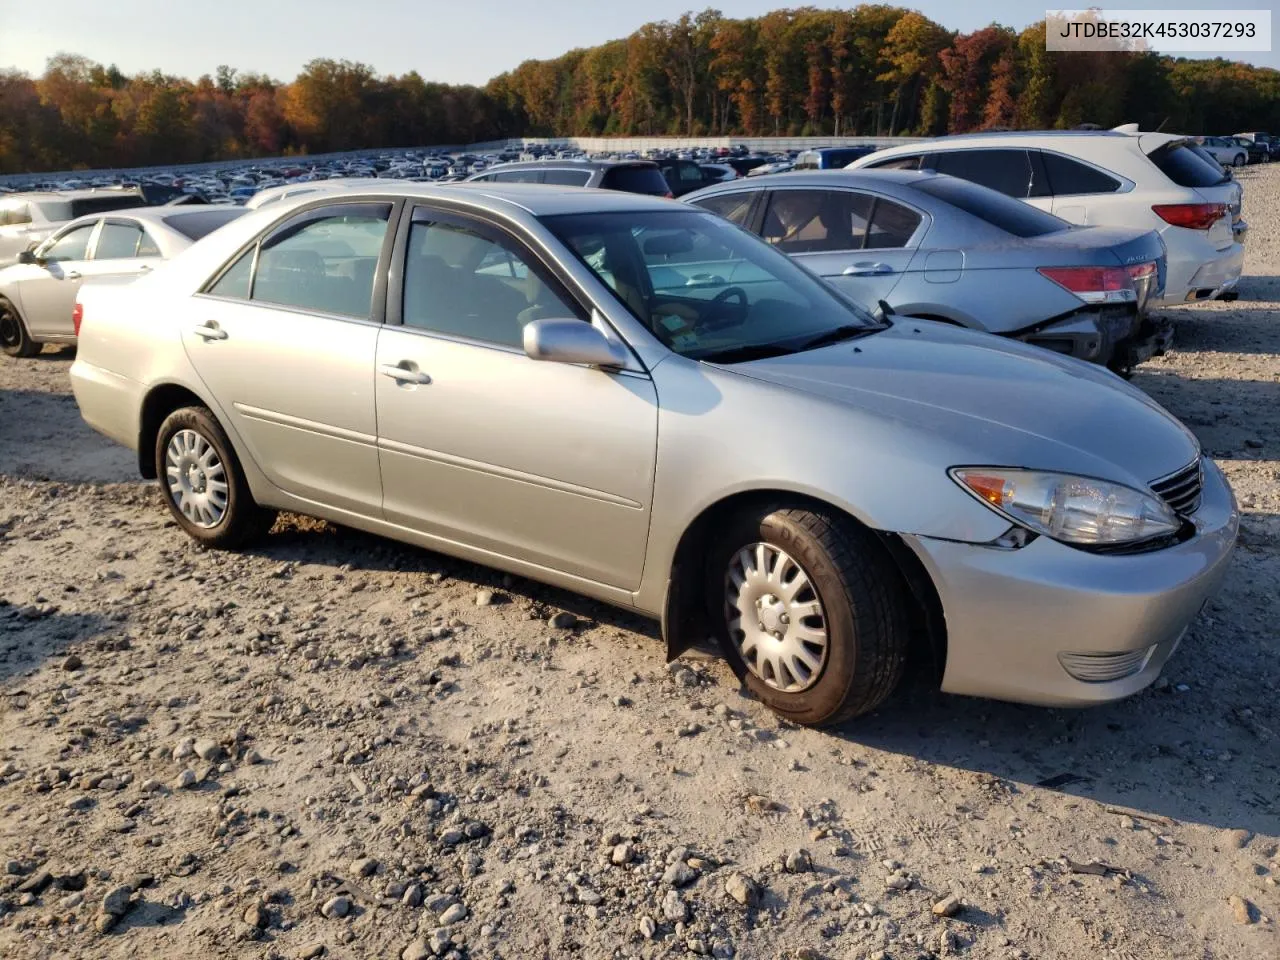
(810, 612)
(1239, 160)
(202, 482)
(14, 338)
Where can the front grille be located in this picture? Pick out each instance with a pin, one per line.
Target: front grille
(1181, 490)
(1104, 667)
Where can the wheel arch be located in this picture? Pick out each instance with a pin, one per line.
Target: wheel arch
(683, 615)
(161, 400)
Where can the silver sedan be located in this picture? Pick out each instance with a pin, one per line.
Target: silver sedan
(633, 399)
(946, 249)
(38, 292)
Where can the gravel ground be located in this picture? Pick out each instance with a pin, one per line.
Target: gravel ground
(336, 746)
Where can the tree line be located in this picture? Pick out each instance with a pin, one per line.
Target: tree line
(873, 70)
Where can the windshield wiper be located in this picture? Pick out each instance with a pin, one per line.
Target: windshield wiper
(753, 351)
(840, 334)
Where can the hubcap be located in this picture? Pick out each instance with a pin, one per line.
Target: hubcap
(196, 478)
(775, 618)
(8, 329)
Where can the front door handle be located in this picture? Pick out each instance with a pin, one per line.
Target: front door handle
(210, 331)
(402, 374)
(866, 268)
(73, 274)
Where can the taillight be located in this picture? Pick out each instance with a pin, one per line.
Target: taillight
(669, 195)
(1094, 284)
(1193, 216)
(77, 314)
(1142, 271)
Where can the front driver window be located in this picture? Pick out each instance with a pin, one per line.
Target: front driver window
(70, 246)
(461, 283)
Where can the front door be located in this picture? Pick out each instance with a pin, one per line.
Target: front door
(285, 340)
(49, 292)
(550, 464)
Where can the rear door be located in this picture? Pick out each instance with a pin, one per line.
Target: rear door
(1074, 185)
(49, 295)
(284, 339)
(860, 242)
(550, 464)
(123, 249)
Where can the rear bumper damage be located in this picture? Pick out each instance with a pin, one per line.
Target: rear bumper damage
(1115, 336)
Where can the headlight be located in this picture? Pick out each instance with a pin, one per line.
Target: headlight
(1077, 510)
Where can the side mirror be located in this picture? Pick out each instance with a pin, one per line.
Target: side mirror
(572, 341)
(28, 256)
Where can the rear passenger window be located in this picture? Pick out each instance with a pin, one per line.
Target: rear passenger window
(519, 176)
(898, 163)
(117, 241)
(1008, 171)
(816, 221)
(892, 225)
(734, 207)
(234, 281)
(1068, 177)
(567, 178)
(460, 283)
(324, 261)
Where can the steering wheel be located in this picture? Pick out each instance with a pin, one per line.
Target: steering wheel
(739, 312)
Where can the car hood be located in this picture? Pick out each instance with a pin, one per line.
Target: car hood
(990, 401)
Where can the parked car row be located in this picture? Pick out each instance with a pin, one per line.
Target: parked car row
(638, 400)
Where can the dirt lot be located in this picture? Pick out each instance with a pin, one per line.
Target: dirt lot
(328, 746)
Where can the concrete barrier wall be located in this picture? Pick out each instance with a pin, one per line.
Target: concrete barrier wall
(590, 144)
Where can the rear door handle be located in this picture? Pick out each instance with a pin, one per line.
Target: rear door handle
(866, 269)
(210, 331)
(402, 374)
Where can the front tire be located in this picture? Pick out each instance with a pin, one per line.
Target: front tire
(14, 338)
(810, 612)
(202, 482)
(1240, 160)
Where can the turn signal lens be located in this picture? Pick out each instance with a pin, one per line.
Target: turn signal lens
(1075, 510)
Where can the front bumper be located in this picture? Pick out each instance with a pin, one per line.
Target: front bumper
(1014, 617)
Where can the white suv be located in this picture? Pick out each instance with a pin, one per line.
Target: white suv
(1122, 177)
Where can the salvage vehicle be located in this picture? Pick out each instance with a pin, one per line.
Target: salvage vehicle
(550, 381)
(28, 218)
(1124, 177)
(946, 249)
(38, 293)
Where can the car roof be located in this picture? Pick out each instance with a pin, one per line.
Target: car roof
(868, 179)
(72, 194)
(570, 163)
(155, 215)
(537, 199)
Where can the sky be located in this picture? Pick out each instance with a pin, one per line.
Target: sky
(454, 41)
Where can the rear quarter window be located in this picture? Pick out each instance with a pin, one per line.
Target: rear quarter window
(1185, 167)
(1069, 177)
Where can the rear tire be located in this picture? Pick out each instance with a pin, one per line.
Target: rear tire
(203, 484)
(1239, 160)
(809, 610)
(14, 338)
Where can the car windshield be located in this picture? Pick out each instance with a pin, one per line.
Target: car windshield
(707, 289)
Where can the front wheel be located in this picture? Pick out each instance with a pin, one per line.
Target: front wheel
(14, 338)
(810, 612)
(202, 483)
(1239, 160)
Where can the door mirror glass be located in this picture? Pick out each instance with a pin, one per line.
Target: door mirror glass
(569, 340)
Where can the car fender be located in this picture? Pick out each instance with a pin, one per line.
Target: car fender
(722, 435)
